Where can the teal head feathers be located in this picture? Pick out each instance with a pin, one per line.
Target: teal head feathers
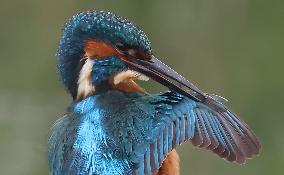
(100, 50)
(97, 38)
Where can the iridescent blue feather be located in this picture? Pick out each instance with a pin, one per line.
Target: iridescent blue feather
(130, 133)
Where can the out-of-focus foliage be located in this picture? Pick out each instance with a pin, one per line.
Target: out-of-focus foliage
(230, 47)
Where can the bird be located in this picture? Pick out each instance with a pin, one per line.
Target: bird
(113, 126)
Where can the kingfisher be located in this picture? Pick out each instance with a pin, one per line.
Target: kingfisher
(113, 126)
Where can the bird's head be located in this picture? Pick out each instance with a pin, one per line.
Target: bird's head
(100, 51)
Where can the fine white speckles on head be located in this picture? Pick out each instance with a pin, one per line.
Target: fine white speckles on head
(127, 75)
(85, 87)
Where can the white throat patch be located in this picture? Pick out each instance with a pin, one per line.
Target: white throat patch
(85, 86)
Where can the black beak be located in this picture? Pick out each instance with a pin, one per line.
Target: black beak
(163, 74)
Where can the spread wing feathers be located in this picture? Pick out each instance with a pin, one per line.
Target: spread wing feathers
(183, 119)
(223, 133)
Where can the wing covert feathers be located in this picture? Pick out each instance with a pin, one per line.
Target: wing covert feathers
(207, 127)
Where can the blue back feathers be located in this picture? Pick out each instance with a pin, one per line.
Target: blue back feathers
(130, 133)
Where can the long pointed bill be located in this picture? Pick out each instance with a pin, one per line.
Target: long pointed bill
(163, 74)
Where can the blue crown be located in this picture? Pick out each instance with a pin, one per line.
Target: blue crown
(98, 25)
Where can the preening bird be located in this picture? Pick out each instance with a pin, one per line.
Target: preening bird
(113, 127)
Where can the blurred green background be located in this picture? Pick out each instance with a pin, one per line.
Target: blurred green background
(230, 47)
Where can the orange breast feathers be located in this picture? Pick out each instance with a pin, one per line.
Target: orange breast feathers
(128, 86)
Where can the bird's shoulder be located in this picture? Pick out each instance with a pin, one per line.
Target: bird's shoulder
(119, 125)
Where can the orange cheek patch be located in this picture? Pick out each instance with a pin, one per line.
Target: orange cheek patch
(98, 49)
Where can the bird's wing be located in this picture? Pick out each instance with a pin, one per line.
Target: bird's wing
(179, 119)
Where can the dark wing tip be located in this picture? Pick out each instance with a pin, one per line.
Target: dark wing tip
(219, 130)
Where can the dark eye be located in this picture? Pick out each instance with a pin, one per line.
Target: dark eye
(121, 47)
(125, 49)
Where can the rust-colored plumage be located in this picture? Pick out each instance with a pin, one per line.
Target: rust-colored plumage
(170, 165)
(128, 86)
(98, 49)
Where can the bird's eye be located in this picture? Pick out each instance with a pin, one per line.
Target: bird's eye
(121, 47)
(125, 49)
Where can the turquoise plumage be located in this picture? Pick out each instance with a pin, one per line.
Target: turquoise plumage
(122, 133)
(113, 127)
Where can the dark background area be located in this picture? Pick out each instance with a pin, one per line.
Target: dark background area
(233, 48)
